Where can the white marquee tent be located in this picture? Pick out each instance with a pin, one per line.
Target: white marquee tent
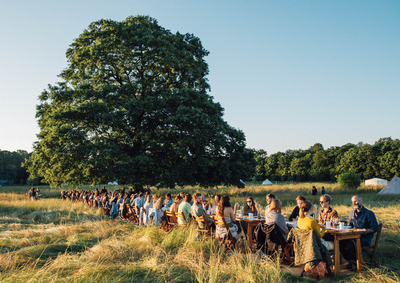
(376, 182)
(267, 182)
(392, 188)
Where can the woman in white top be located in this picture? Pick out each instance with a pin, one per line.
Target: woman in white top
(274, 216)
(148, 204)
(225, 210)
(215, 205)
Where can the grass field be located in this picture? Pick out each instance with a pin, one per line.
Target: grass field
(54, 241)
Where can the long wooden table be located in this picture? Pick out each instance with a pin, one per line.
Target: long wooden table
(343, 235)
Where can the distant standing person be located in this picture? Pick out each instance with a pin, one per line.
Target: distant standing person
(314, 191)
(323, 191)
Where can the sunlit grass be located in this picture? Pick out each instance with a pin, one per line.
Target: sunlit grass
(51, 240)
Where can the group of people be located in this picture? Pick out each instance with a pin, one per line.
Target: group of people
(197, 205)
(314, 191)
(33, 193)
(360, 218)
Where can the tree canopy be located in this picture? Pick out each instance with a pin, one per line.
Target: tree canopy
(133, 106)
(382, 160)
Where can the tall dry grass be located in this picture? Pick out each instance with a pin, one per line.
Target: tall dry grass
(55, 241)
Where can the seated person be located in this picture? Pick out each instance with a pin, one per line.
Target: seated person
(198, 210)
(159, 205)
(269, 198)
(250, 207)
(148, 204)
(295, 213)
(305, 222)
(360, 218)
(327, 214)
(215, 205)
(168, 200)
(275, 216)
(155, 198)
(185, 208)
(177, 202)
(139, 202)
(205, 203)
(225, 210)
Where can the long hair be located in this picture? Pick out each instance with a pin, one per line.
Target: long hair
(148, 198)
(219, 198)
(305, 207)
(275, 205)
(159, 203)
(223, 202)
(253, 205)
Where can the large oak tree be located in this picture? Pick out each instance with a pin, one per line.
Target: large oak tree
(133, 106)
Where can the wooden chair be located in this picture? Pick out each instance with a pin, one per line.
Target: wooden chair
(106, 210)
(180, 215)
(285, 255)
(374, 248)
(202, 221)
(132, 214)
(293, 239)
(128, 214)
(228, 241)
(172, 221)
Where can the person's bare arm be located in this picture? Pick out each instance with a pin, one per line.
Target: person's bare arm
(232, 215)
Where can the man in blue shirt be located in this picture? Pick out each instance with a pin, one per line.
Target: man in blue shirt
(168, 200)
(139, 201)
(360, 218)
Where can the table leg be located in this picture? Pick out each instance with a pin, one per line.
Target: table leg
(250, 236)
(359, 253)
(337, 255)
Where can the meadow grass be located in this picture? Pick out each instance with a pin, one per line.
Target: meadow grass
(51, 240)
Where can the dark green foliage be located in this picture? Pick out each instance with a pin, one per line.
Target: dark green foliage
(349, 179)
(260, 157)
(382, 160)
(134, 107)
(10, 167)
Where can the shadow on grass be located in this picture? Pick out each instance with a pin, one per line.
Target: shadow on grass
(42, 215)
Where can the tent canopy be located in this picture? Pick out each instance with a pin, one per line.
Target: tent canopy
(376, 182)
(267, 182)
(392, 188)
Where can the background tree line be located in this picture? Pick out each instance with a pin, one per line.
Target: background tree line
(11, 172)
(381, 160)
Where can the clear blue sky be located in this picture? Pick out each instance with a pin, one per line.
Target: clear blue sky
(288, 73)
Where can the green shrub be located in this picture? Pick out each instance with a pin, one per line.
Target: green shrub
(349, 179)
